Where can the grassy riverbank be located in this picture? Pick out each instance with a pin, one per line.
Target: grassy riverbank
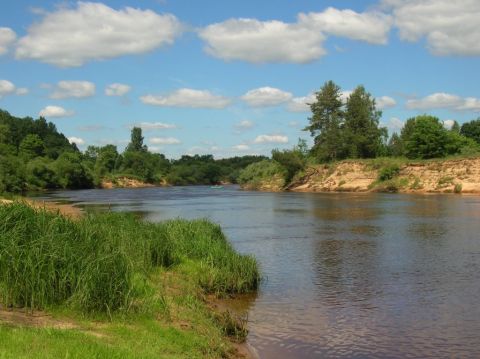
(116, 286)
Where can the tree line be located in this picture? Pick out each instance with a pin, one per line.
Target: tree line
(34, 155)
(350, 129)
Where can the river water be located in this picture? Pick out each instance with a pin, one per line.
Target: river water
(346, 275)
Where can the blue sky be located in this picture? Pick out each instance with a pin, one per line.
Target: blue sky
(231, 77)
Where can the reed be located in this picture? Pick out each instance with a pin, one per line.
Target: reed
(47, 259)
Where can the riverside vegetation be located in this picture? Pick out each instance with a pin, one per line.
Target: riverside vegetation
(130, 288)
(35, 156)
(350, 132)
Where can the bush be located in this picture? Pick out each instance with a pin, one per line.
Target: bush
(263, 171)
(12, 174)
(389, 172)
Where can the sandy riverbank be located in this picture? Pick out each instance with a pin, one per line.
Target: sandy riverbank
(439, 176)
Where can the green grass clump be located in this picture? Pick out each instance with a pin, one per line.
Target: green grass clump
(47, 259)
(99, 262)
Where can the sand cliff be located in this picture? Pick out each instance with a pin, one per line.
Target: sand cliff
(436, 176)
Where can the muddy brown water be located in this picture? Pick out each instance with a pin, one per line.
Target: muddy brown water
(346, 275)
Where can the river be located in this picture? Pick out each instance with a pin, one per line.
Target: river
(345, 275)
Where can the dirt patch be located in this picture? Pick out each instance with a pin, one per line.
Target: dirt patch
(125, 182)
(447, 176)
(67, 210)
(36, 319)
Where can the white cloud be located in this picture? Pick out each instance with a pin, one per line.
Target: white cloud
(372, 27)
(436, 100)
(301, 104)
(293, 124)
(241, 147)
(257, 41)
(21, 91)
(448, 124)
(450, 27)
(7, 37)
(6, 88)
(188, 98)
(149, 126)
(77, 140)
(266, 96)
(244, 125)
(75, 89)
(385, 102)
(117, 89)
(441, 100)
(470, 104)
(70, 37)
(164, 141)
(394, 125)
(344, 95)
(55, 111)
(271, 139)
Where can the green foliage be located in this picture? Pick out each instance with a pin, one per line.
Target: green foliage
(364, 139)
(31, 146)
(40, 174)
(16, 129)
(258, 172)
(389, 172)
(230, 168)
(292, 160)
(471, 130)
(98, 263)
(425, 137)
(350, 130)
(326, 122)
(12, 174)
(136, 141)
(395, 146)
(198, 169)
(72, 172)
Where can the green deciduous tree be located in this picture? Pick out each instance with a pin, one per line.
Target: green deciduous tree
(471, 130)
(31, 146)
(72, 172)
(40, 174)
(425, 137)
(12, 174)
(105, 160)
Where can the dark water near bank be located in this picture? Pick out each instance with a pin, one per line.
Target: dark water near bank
(347, 275)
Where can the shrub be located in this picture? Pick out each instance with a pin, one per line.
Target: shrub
(265, 170)
(389, 172)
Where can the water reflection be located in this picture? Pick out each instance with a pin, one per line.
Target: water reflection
(348, 275)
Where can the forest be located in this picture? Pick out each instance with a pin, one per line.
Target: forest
(35, 156)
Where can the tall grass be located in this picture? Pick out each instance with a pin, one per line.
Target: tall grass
(91, 263)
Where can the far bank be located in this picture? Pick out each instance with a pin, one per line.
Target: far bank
(460, 175)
